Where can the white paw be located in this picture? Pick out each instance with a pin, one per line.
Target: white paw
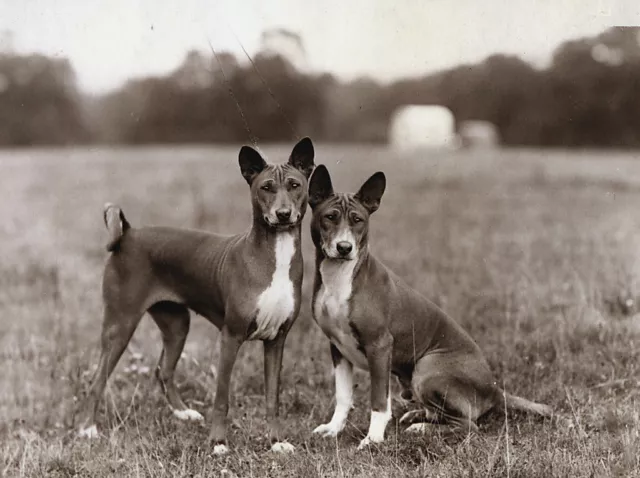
(419, 428)
(328, 430)
(368, 440)
(89, 432)
(188, 415)
(220, 449)
(283, 447)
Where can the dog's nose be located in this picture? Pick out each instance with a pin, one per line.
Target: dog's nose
(344, 247)
(283, 214)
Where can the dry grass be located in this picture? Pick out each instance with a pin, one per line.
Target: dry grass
(535, 254)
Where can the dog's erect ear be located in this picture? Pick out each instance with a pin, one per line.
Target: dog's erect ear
(371, 192)
(251, 163)
(320, 187)
(302, 157)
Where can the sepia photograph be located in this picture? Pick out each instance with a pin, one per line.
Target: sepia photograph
(320, 238)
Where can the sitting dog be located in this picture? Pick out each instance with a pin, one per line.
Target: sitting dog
(377, 322)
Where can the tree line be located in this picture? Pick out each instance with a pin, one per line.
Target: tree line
(586, 97)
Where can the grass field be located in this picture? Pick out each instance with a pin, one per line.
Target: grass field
(535, 253)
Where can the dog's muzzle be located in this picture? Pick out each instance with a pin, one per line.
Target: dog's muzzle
(342, 251)
(281, 222)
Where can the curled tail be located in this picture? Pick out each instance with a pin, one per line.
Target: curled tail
(513, 402)
(117, 225)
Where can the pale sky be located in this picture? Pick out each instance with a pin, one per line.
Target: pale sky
(109, 41)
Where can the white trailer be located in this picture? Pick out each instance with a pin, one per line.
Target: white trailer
(478, 134)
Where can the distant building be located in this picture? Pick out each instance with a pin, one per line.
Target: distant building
(7, 42)
(199, 71)
(284, 43)
(423, 126)
(478, 134)
(194, 72)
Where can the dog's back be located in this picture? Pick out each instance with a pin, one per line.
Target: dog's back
(168, 260)
(424, 328)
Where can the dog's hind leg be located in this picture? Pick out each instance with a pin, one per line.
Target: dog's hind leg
(173, 321)
(117, 328)
(420, 415)
(422, 419)
(449, 394)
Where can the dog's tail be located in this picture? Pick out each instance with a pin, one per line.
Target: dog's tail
(513, 402)
(117, 225)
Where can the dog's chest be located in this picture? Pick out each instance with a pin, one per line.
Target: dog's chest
(276, 303)
(331, 308)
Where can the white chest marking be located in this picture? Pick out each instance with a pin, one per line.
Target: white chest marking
(331, 308)
(276, 303)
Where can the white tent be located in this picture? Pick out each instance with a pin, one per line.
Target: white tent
(423, 126)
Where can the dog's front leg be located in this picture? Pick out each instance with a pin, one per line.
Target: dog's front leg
(379, 358)
(273, 351)
(229, 345)
(343, 375)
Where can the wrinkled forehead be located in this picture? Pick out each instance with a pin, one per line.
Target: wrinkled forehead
(279, 173)
(343, 203)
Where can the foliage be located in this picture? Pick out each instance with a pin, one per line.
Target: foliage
(39, 103)
(586, 97)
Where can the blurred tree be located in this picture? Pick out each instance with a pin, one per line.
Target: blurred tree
(278, 101)
(195, 72)
(200, 102)
(587, 97)
(594, 84)
(357, 112)
(39, 102)
(286, 44)
(191, 104)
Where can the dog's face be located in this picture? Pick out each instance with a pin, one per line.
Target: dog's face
(278, 192)
(340, 223)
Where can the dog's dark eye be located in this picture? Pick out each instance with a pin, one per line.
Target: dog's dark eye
(295, 185)
(331, 217)
(357, 219)
(266, 187)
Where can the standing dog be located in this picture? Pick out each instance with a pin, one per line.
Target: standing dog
(377, 322)
(247, 285)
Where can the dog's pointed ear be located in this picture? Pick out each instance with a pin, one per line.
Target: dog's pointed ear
(371, 192)
(251, 163)
(320, 187)
(302, 157)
